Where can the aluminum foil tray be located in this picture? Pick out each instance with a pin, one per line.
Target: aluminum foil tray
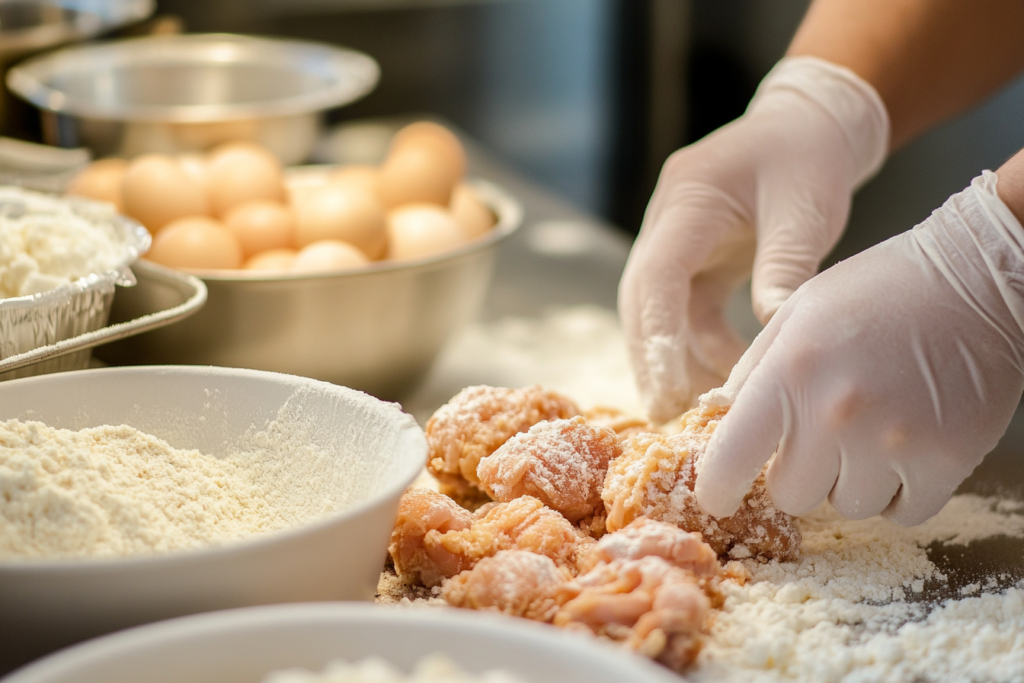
(55, 330)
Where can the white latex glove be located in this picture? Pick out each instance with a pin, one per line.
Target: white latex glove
(770, 192)
(885, 380)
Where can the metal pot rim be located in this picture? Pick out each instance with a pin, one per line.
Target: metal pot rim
(347, 75)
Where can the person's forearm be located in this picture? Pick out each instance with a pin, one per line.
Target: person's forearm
(928, 59)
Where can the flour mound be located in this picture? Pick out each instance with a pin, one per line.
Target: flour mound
(115, 491)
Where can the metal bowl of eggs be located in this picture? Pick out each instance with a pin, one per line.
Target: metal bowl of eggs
(355, 275)
(137, 494)
(189, 92)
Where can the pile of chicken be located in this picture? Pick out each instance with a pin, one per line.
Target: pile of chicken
(588, 522)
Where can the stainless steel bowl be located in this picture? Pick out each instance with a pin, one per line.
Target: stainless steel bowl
(30, 25)
(186, 93)
(378, 329)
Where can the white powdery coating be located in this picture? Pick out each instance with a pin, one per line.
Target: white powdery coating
(115, 491)
(437, 668)
(839, 613)
(44, 244)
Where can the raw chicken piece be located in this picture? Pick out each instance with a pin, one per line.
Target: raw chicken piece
(523, 524)
(479, 419)
(655, 477)
(623, 424)
(649, 604)
(514, 582)
(563, 463)
(421, 511)
(648, 538)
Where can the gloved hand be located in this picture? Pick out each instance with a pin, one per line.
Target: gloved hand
(769, 192)
(886, 379)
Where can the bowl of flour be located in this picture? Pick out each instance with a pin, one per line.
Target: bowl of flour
(130, 495)
(293, 643)
(60, 258)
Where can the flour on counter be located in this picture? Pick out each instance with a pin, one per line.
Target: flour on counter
(578, 351)
(850, 608)
(44, 243)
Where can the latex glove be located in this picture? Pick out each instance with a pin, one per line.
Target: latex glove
(770, 192)
(885, 380)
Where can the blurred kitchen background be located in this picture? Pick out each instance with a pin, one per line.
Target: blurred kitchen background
(588, 97)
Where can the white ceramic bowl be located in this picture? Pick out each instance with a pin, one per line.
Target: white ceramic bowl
(241, 646)
(379, 450)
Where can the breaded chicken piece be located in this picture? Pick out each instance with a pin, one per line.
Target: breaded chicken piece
(421, 511)
(562, 463)
(514, 582)
(623, 424)
(654, 607)
(477, 421)
(655, 477)
(648, 538)
(524, 524)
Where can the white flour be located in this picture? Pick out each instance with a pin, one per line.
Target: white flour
(44, 244)
(115, 491)
(437, 668)
(845, 610)
(860, 603)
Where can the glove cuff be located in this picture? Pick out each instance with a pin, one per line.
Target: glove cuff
(849, 99)
(977, 244)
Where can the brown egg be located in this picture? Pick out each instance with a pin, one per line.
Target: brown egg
(342, 212)
(156, 190)
(197, 243)
(445, 143)
(365, 177)
(328, 255)
(260, 225)
(297, 187)
(239, 172)
(101, 180)
(421, 230)
(272, 260)
(417, 174)
(470, 213)
(196, 165)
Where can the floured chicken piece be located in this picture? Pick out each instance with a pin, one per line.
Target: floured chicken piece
(623, 424)
(524, 524)
(478, 420)
(423, 511)
(649, 538)
(652, 606)
(655, 477)
(562, 463)
(514, 582)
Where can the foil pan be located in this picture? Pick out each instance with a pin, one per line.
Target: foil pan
(44, 320)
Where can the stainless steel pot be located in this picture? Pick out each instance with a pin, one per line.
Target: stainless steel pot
(189, 92)
(378, 330)
(29, 26)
